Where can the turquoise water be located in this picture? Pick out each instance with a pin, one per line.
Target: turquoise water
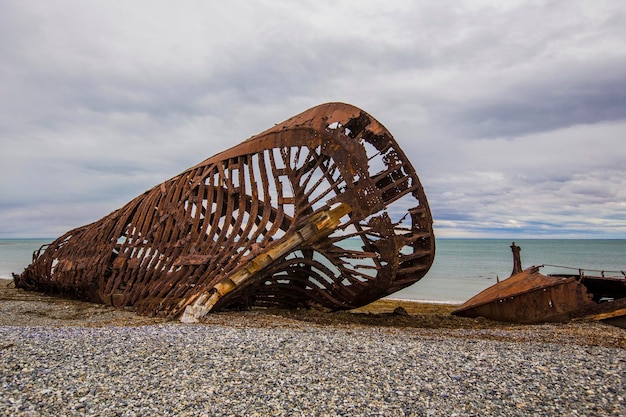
(462, 267)
(17, 254)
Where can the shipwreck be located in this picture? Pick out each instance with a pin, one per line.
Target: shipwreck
(528, 296)
(264, 223)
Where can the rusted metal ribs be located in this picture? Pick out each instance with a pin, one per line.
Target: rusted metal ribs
(321, 211)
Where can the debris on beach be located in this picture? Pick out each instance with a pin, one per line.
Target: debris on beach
(264, 223)
(528, 296)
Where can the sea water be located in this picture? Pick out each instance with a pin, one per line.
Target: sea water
(17, 254)
(462, 267)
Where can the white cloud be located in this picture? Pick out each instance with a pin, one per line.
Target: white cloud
(513, 113)
(558, 182)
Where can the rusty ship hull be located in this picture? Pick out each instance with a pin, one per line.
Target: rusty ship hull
(260, 224)
(530, 297)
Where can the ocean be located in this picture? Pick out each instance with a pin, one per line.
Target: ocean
(462, 267)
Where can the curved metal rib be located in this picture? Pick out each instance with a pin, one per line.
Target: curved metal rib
(179, 244)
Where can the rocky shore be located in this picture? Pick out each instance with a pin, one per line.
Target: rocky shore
(62, 357)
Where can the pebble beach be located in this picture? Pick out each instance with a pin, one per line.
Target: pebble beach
(66, 358)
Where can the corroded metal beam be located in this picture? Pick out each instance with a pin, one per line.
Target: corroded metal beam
(323, 210)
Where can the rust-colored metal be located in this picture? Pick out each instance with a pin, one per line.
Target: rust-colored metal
(531, 297)
(272, 221)
(517, 259)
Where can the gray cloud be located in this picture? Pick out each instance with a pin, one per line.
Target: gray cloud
(513, 114)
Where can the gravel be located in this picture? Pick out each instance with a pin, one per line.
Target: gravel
(299, 370)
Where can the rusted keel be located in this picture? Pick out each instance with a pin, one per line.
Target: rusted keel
(269, 222)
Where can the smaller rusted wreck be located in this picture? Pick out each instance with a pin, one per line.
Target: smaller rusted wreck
(529, 297)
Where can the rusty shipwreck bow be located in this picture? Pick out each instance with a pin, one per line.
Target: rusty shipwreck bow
(269, 222)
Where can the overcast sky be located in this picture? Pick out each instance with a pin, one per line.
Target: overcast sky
(512, 112)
